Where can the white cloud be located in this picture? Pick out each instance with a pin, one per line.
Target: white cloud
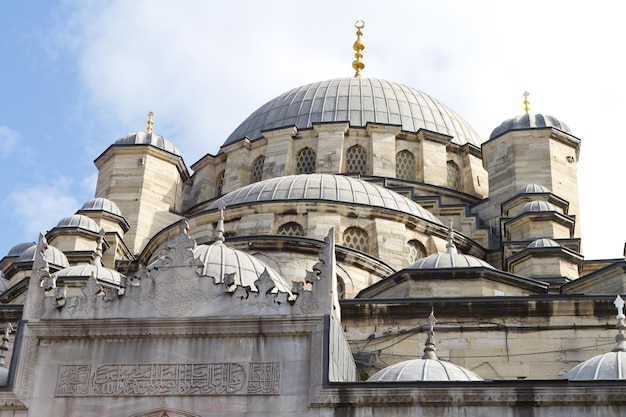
(8, 141)
(37, 208)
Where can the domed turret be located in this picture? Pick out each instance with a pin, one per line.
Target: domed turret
(152, 139)
(529, 121)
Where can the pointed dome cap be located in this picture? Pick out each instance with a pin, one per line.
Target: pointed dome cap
(450, 259)
(609, 366)
(101, 204)
(95, 269)
(53, 256)
(536, 206)
(532, 189)
(78, 221)
(529, 121)
(19, 248)
(358, 101)
(428, 368)
(142, 138)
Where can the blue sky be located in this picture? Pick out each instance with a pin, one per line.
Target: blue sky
(77, 75)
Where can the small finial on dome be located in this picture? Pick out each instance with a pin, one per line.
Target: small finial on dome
(150, 122)
(621, 326)
(526, 102)
(430, 348)
(219, 230)
(358, 46)
(450, 245)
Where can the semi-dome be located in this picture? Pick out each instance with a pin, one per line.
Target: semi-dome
(532, 189)
(53, 256)
(536, 206)
(325, 187)
(78, 221)
(358, 101)
(101, 204)
(19, 248)
(529, 121)
(142, 138)
(544, 243)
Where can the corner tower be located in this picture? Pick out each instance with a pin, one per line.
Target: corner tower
(143, 173)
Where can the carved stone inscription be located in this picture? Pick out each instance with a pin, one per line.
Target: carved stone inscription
(168, 379)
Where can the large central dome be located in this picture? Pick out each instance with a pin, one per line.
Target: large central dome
(358, 101)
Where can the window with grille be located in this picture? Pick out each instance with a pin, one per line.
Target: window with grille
(219, 184)
(415, 251)
(291, 229)
(454, 176)
(341, 288)
(305, 163)
(405, 166)
(356, 160)
(257, 169)
(356, 238)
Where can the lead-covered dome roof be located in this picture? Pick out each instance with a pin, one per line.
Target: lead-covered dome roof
(424, 370)
(78, 221)
(102, 204)
(142, 138)
(529, 121)
(325, 187)
(359, 101)
(52, 255)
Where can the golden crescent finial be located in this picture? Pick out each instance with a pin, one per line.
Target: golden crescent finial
(150, 122)
(358, 46)
(526, 102)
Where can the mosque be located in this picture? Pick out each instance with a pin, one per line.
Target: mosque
(353, 249)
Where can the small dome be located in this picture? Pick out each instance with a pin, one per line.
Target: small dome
(101, 204)
(19, 248)
(529, 121)
(78, 221)
(326, 187)
(53, 256)
(358, 101)
(424, 370)
(449, 260)
(100, 272)
(536, 206)
(611, 365)
(544, 243)
(219, 260)
(532, 189)
(142, 138)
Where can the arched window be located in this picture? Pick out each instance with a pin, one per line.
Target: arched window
(405, 166)
(356, 238)
(341, 288)
(291, 229)
(356, 160)
(454, 176)
(305, 163)
(415, 250)
(219, 184)
(257, 168)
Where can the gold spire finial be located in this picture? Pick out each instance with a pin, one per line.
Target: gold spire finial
(526, 102)
(358, 46)
(149, 130)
